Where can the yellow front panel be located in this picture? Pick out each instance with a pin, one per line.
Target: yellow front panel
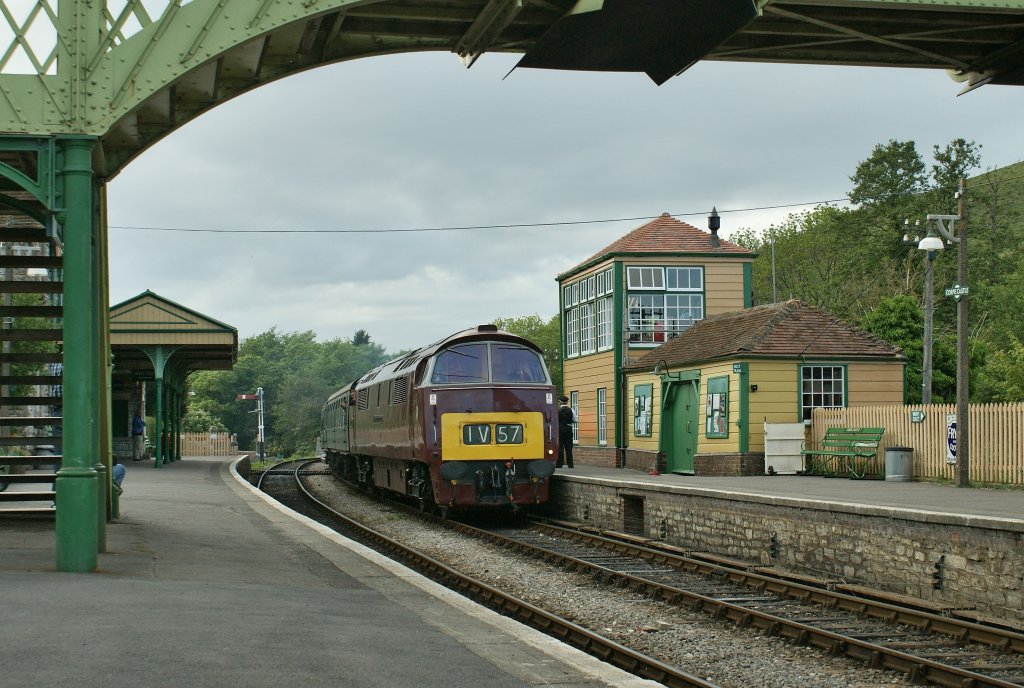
(453, 448)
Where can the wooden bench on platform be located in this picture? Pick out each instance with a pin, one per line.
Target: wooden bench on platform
(846, 452)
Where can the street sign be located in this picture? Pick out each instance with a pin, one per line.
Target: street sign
(956, 291)
(241, 397)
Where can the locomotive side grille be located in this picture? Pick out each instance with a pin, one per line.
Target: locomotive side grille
(363, 399)
(399, 391)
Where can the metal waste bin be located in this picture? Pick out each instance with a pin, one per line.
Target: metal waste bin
(899, 464)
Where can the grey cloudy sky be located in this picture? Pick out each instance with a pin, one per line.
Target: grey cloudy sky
(414, 141)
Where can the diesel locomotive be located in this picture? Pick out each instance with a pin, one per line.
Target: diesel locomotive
(467, 423)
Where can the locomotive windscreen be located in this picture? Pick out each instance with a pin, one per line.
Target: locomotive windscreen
(470, 363)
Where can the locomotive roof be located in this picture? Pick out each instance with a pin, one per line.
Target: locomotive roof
(407, 363)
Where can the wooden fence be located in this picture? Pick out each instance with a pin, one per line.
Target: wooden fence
(207, 444)
(996, 437)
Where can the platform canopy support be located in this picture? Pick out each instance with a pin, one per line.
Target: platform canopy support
(79, 492)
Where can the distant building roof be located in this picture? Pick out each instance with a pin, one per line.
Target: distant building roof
(198, 342)
(667, 235)
(779, 330)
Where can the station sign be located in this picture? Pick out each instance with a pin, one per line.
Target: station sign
(917, 416)
(956, 291)
(242, 397)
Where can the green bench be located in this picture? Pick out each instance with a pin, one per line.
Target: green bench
(845, 452)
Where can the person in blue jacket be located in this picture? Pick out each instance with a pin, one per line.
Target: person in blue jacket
(138, 437)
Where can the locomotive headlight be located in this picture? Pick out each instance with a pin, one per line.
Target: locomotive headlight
(550, 452)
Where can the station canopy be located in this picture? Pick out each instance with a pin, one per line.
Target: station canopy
(150, 334)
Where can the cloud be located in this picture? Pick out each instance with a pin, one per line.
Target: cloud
(416, 141)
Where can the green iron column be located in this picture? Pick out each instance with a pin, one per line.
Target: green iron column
(77, 529)
(158, 417)
(172, 430)
(160, 359)
(101, 461)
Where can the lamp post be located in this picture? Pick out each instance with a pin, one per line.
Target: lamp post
(959, 292)
(930, 244)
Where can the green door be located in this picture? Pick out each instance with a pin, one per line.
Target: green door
(681, 414)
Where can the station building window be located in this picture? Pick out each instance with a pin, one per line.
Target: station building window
(821, 386)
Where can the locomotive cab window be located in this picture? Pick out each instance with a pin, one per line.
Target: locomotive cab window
(516, 364)
(461, 364)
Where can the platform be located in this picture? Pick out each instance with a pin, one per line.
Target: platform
(955, 549)
(206, 582)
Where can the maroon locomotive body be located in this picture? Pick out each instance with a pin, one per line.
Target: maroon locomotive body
(469, 422)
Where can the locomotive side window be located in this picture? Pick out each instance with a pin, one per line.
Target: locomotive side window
(461, 364)
(515, 364)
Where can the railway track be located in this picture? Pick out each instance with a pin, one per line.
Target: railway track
(285, 485)
(928, 648)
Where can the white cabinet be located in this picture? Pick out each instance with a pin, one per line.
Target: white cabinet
(782, 443)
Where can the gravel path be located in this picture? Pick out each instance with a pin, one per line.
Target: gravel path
(718, 651)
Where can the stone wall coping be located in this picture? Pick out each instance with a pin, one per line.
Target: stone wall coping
(816, 504)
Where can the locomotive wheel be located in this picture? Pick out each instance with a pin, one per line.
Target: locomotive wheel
(442, 511)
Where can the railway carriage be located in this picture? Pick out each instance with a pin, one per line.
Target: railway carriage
(469, 423)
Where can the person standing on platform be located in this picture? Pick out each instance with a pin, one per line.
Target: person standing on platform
(566, 419)
(138, 437)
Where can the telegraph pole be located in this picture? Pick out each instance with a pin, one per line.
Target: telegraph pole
(963, 446)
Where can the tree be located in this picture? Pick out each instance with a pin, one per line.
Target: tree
(198, 419)
(892, 172)
(899, 321)
(297, 374)
(953, 163)
(1003, 376)
(545, 334)
(360, 338)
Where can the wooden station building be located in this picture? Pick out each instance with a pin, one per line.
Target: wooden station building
(669, 366)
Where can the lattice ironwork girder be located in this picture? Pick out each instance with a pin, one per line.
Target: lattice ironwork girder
(132, 78)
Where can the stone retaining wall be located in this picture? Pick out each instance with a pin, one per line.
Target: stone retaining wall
(979, 562)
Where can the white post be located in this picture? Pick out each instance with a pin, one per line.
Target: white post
(259, 422)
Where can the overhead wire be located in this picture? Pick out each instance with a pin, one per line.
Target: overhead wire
(516, 225)
(523, 225)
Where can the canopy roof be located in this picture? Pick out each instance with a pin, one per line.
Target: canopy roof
(187, 339)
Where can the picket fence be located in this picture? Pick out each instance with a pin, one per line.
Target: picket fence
(996, 437)
(205, 444)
